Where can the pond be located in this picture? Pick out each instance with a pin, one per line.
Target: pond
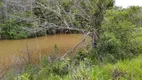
(14, 52)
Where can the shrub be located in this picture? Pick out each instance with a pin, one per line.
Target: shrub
(108, 44)
(14, 30)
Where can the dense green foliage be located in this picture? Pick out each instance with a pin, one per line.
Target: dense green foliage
(118, 39)
(12, 23)
(120, 34)
(44, 15)
(13, 30)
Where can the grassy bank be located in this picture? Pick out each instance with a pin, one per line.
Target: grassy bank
(65, 69)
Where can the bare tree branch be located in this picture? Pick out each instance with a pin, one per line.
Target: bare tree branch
(73, 49)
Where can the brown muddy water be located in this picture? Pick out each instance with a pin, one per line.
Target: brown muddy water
(14, 52)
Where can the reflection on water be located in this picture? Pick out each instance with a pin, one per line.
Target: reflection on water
(11, 50)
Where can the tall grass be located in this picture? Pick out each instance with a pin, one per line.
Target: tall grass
(67, 69)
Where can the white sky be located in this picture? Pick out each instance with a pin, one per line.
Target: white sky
(126, 3)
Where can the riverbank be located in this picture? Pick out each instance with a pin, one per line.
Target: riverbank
(39, 32)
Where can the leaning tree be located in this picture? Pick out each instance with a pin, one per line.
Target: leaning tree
(81, 15)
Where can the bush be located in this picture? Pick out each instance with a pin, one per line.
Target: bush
(108, 44)
(108, 49)
(119, 39)
(13, 30)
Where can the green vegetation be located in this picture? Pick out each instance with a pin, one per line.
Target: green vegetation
(82, 69)
(40, 17)
(116, 34)
(13, 30)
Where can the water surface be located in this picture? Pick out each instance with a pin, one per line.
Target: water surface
(16, 51)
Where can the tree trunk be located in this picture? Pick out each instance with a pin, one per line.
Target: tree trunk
(94, 40)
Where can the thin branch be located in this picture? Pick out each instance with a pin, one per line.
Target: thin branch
(73, 49)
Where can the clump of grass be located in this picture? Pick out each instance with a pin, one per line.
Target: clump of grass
(127, 69)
